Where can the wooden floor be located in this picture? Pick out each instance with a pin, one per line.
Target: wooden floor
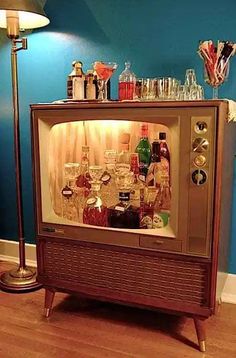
(82, 328)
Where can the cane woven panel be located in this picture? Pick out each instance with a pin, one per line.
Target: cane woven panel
(134, 273)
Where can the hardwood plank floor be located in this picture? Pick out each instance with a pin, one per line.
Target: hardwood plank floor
(85, 329)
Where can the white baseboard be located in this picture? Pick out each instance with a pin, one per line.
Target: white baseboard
(229, 292)
(9, 252)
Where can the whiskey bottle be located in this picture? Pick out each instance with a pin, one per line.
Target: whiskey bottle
(154, 171)
(165, 194)
(137, 190)
(164, 155)
(108, 189)
(147, 208)
(160, 217)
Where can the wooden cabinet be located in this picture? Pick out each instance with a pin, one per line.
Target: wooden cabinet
(180, 268)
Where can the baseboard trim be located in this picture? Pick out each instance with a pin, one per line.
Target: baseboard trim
(9, 252)
(229, 292)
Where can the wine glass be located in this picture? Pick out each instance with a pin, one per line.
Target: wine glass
(215, 76)
(104, 71)
(95, 172)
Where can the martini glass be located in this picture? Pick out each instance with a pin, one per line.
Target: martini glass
(216, 76)
(104, 71)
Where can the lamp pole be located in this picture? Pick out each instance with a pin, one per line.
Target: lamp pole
(23, 278)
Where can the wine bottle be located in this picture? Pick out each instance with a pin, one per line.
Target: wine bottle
(144, 151)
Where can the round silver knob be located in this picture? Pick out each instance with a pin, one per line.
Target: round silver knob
(200, 145)
(199, 177)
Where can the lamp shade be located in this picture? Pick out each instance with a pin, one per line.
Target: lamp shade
(30, 12)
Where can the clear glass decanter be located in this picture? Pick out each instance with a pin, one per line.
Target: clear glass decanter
(127, 83)
(95, 212)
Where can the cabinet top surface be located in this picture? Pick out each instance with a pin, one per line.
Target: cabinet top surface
(117, 104)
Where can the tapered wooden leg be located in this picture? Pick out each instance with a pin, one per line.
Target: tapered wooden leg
(201, 333)
(49, 296)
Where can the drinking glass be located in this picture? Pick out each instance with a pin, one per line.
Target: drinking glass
(167, 88)
(104, 71)
(149, 89)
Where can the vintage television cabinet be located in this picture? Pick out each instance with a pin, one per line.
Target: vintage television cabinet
(180, 268)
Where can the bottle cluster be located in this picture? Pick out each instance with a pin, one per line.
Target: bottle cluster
(83, 86)
(131, 190)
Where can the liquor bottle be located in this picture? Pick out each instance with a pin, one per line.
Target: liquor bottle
(95, 212)
(154, 171)
(78, 82)
(165, 156)
(124, 214)
(144, 151)
(124, 155)
(83, 180)
(90, 87)
(69, 207)
(127, 82)
(108, 189)
(138, 187)
(70, 80)
(165, 194)
(160, 217)
(147, 208)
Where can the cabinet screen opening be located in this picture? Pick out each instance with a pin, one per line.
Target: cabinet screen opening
(110, 174)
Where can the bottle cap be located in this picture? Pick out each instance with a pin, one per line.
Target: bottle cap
(162, 135)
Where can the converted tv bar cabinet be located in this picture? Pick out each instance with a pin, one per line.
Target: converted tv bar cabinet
(181, 269)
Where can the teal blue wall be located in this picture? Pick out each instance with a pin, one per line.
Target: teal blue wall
(160, 37)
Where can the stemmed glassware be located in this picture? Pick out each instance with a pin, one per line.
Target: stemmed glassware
(104, 71)
(216, 62)
(216, 78)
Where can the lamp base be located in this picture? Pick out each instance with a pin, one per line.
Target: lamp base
(19, 280)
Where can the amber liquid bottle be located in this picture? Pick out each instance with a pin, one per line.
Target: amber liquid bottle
(164, 155)
(153, 175)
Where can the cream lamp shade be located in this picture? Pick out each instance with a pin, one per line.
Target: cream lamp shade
(29, 14)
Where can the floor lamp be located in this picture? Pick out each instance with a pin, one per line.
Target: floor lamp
(17, 15)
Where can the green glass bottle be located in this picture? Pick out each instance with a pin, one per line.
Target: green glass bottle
(144, 151)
